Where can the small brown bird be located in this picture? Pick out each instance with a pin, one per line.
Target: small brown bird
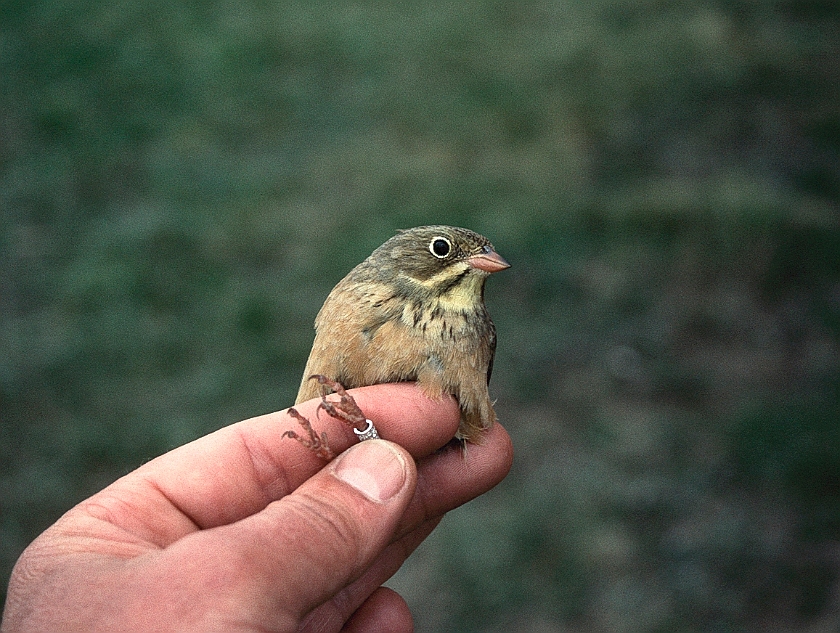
(413, 311)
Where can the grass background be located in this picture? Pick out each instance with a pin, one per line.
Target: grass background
(182, 182)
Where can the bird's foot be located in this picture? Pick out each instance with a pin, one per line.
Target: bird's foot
(344, 409)
(317, 444)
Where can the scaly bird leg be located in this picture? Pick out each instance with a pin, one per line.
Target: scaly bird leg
(345, 409)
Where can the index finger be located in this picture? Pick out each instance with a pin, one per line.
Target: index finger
(238, 470)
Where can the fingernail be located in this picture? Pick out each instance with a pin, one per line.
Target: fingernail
(374, 468)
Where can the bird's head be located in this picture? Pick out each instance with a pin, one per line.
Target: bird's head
(436, 261)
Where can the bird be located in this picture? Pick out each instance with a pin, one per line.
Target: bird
(412, 311)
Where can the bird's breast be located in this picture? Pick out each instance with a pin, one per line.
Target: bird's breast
(437, 321)
(457, 312)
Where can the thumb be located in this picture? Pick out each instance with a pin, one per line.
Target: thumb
(315, 541)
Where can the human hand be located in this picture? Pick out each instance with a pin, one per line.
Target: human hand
(242, 531)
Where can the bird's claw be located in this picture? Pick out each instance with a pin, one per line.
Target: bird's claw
(317, 444)
(345, 409)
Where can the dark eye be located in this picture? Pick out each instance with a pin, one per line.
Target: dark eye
(440, 247)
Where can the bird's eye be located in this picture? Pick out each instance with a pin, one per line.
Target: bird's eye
(440, 247)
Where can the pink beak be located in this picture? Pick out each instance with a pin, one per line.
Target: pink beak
(488, 260)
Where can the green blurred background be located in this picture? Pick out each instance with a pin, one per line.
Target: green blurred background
(182, 182)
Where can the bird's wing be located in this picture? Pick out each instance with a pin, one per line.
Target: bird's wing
(491, 345)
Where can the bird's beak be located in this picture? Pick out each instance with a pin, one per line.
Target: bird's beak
(488, 260)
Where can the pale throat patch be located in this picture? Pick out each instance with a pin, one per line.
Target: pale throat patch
(464, 295)
(462, 298)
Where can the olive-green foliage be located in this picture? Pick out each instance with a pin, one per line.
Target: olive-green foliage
(182, 182)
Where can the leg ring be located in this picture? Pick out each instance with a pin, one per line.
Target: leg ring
(368, 433)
